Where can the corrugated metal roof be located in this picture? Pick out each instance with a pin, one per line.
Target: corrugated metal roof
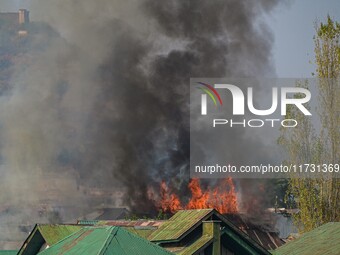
(201, 242)
(189, 248)
(131, 223)
(179, 224)
(142, 228)
(84, 241)
(12, 252)
(133, 245)
(105, 241)
(54, 233)
(46, 233)
(87, 222)
(268, 239)
(322, 240)
(144, 233)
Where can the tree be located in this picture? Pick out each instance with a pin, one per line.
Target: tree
(318, 198)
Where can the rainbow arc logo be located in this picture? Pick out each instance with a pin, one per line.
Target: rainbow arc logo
(211, 92)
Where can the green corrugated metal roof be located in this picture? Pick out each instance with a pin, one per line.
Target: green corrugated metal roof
(54, 233)
(85, 241)
(197, 245)
(184, 221)
(322, 240)
(46, 233)
(104, 241)
(179, 224)
(145, 233)
(134, 245)
(9, 252)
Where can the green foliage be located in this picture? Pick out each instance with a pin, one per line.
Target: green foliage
(317, 198)
(279, 188)
(161, 215)
(329, 30)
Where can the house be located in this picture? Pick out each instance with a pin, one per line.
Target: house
(80, 239)
(322, 240)
(188, 232)
(203, 231)
(142, 228)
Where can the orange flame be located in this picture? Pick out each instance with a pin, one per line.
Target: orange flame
(222, 198)
(169, 202)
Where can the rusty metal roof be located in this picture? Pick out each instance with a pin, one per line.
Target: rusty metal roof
(267, 238)
(132, 223)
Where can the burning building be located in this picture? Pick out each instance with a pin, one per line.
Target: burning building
(223, 197)
(122, 125)
(188, 232)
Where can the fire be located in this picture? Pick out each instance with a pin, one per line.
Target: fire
(222, 198)
(199, 199)
(169, 202)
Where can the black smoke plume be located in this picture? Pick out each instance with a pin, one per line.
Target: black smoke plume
(99, 96)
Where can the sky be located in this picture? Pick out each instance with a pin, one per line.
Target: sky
(292, 26)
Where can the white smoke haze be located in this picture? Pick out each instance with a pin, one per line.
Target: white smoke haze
(100, 97)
